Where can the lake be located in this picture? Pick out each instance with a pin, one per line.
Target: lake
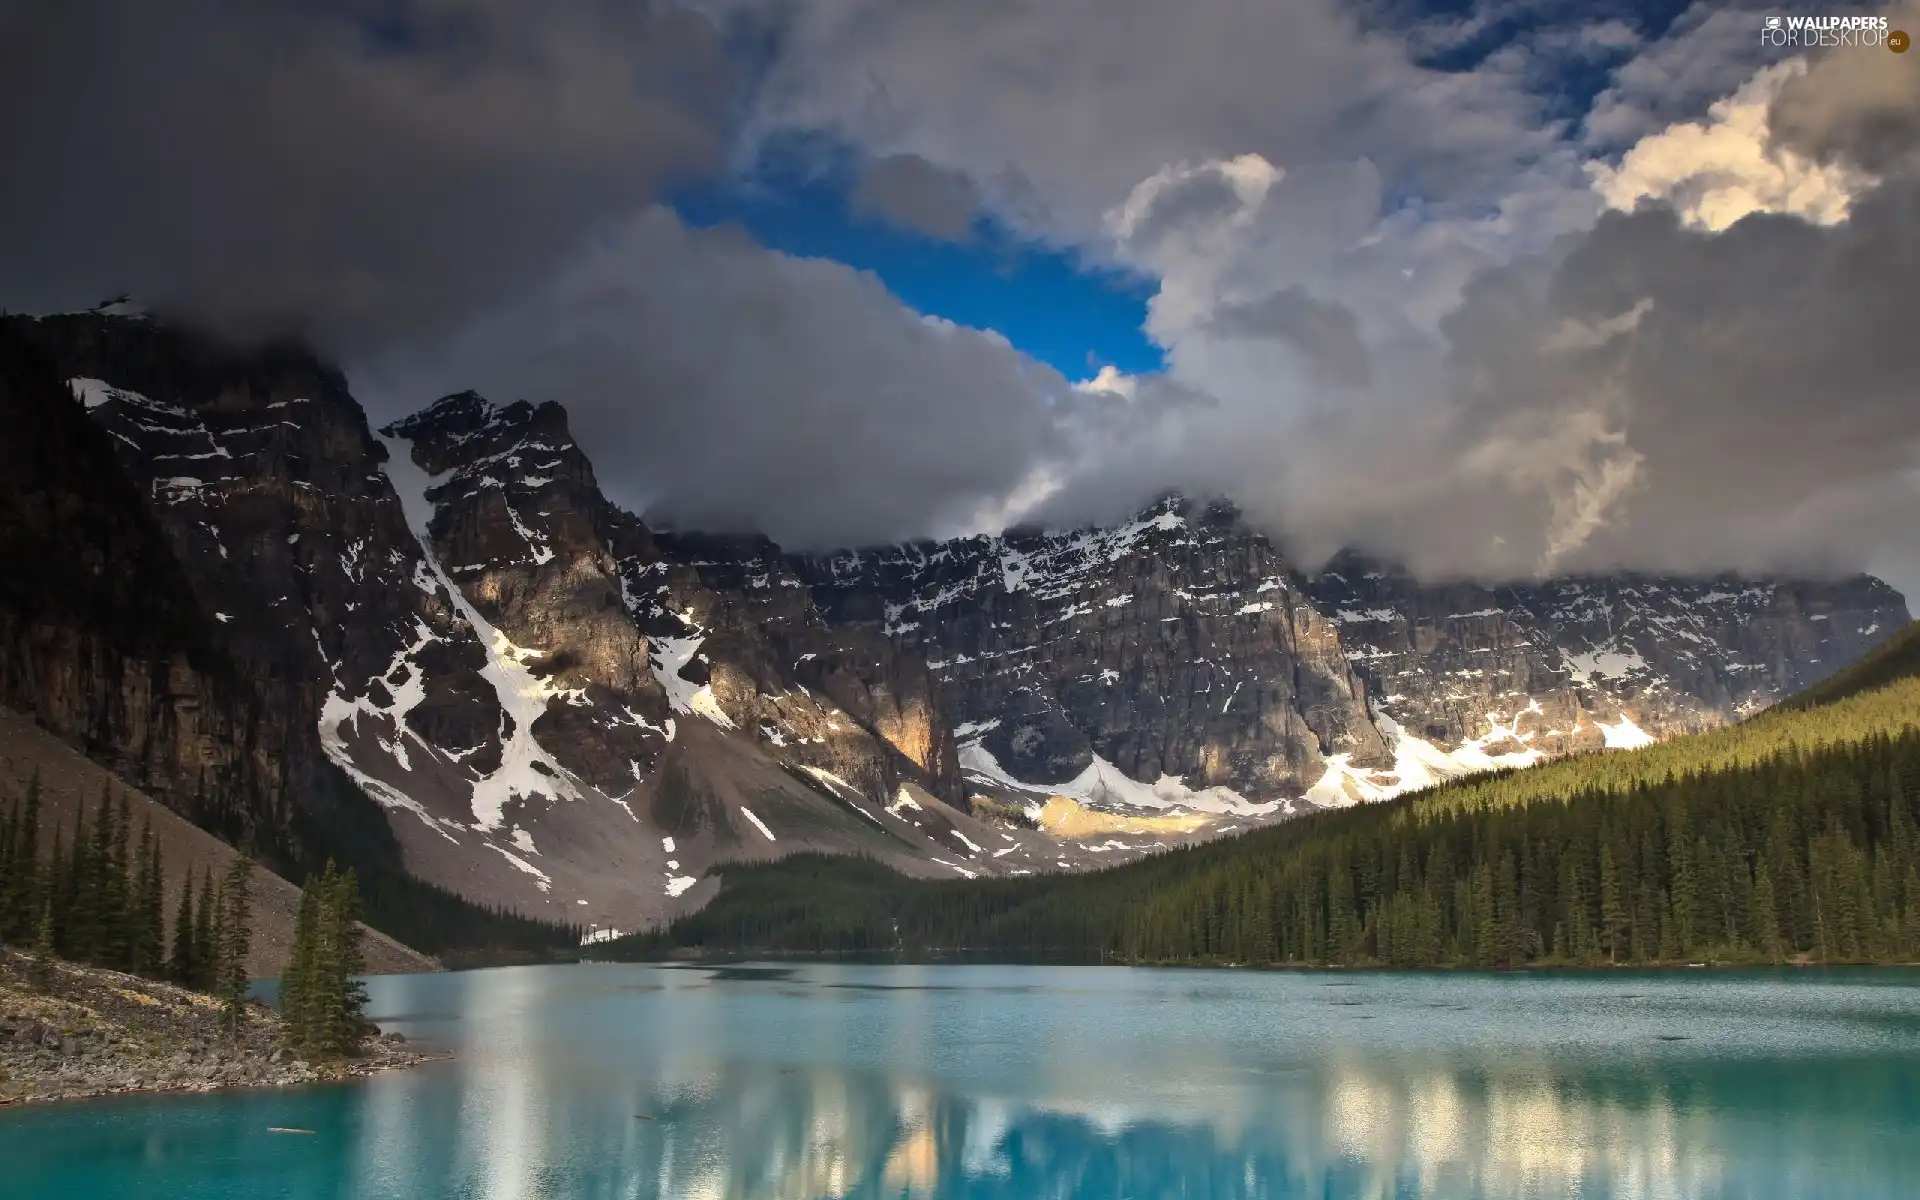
(1025, 1082)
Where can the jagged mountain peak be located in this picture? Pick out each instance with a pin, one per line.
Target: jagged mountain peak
(562, 709)
(462, 415)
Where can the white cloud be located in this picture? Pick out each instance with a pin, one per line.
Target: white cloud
(1720, 169)
(1395, 307)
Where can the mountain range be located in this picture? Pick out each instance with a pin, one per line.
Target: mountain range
(438, 643)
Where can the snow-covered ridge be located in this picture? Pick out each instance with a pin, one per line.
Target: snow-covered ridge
(526, 769)
(1103, 785)
(1452, 678)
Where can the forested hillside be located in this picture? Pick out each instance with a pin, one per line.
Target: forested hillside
(1791, 837)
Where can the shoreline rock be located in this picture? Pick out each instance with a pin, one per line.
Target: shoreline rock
(103, 1033)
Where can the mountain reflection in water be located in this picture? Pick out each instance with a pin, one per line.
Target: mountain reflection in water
(1016, 1083)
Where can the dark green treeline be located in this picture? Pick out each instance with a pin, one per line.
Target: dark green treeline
(1808, 855)
(320, 998)
(97, 897)
(1790, 838)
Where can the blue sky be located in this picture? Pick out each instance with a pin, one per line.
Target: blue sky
(1047, 302)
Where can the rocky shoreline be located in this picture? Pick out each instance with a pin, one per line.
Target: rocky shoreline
(102, 1033)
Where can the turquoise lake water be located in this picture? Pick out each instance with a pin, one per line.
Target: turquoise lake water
(1019, 1083)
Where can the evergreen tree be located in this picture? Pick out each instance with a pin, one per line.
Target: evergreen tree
(182, 966)
(234, 938)
(297, 991)
(1682, 891)
(205, 920)
(23, 899)
(1765, 919)
(78, 927)
(1506, 947)
(1798, 852)
(115, 944)
(145, 917)
(9, 822)
(347, 996)
(322, 1000)
(53, 889)
(1613, 912)
(42, 974)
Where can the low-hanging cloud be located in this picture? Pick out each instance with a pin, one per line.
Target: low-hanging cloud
(357, 170)
(1418, 311)
(1706, 378)
(720, 385)
(1712, 378)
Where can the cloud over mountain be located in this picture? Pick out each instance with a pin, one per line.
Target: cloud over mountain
(1447, 313)
(351, 169)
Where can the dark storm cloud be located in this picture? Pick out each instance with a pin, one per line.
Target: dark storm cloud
(909, 191)
(720, 385)
(1767, 384)
(1327, 335)
(1647, 396)
(452, 195)
(1860, 108)
(354, 170)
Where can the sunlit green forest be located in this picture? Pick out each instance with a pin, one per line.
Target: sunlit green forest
(1793, 836)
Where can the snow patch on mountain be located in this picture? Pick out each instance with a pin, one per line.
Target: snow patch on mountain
(1607, 663)
(670, 655)
(92, 393)
(757, 823)
(1419, 763)
(1625, 735)
(525, 770)
(1102, 784)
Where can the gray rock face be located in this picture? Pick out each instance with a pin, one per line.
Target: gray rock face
(1176, 645)
(555, 707)
(1672, 655)
(635, 631)
(183, 652)
(1183, 644)
(556, 710)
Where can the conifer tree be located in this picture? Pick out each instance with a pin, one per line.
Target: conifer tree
(1506, 947)
(234, 938)
(205, 921)
(1613, 912)
(42, 975)
(77, 926)
(182, 966)
(346, 995)
(114, 944)
(20, 891)
(53, 887)
(145, 918)
(322, 1000)
(297, 992)
(156, 907)
(1910, 917)
(1682, 894)
(30, 884)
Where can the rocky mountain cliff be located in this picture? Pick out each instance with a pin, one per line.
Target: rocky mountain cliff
(557, 708)
(1182, 650)
(103, 634)
(551, 707)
